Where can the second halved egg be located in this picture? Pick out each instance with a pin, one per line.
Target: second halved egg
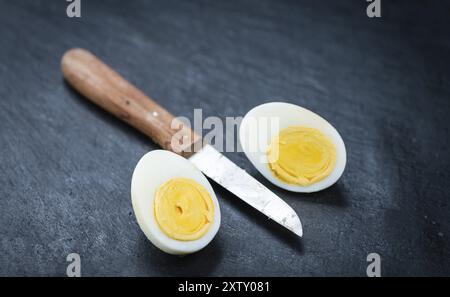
(293, 147)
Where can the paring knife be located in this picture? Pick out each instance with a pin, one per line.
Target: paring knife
(106, 88)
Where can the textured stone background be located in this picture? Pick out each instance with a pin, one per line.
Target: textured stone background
(383, 83)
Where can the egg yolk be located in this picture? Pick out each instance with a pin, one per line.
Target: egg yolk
(301, 156)
(184, 209)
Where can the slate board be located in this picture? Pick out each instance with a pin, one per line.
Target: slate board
(383, 83)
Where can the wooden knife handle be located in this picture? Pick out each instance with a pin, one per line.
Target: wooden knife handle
(106, 88)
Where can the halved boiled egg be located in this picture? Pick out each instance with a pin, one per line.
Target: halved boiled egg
(293, 147)
(174, 203)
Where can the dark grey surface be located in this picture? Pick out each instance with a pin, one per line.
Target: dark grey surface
(383, 83)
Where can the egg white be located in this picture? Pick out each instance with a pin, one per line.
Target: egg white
(259, 136)
(152, 170)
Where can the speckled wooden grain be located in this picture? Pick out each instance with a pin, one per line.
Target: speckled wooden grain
(383, 83)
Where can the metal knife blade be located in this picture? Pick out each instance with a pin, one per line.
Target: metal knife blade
(227, 174)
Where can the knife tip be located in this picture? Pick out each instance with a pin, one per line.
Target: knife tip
(299, 232)
(295, 225)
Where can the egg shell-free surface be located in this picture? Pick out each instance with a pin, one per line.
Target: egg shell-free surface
(255, 136)
(152, 170)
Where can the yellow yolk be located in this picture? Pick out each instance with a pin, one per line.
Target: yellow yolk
(301, 156)
(184, 209)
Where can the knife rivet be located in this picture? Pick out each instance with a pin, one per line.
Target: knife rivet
(155, 114)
